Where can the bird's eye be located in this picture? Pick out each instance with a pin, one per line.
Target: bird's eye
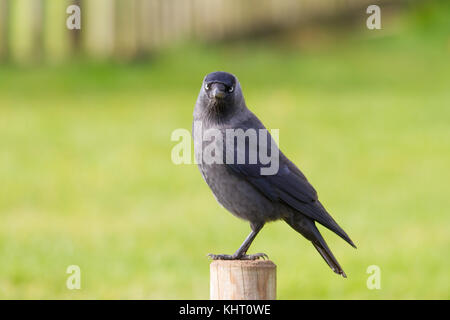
(230, 89)
(207, 86)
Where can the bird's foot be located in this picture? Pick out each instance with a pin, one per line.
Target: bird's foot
(221, 256)
(255, 256)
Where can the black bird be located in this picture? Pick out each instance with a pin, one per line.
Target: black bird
(241, 187)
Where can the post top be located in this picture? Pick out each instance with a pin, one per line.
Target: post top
(244, 263)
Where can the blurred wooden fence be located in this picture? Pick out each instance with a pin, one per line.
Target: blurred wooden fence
(35, 30)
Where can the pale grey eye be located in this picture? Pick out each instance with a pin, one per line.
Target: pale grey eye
(207, 87)
(231, 89)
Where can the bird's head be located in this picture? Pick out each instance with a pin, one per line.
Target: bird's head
(220, 94)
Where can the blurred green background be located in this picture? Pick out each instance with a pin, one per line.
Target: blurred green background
(86, 176)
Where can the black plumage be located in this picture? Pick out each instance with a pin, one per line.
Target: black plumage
(241, 187)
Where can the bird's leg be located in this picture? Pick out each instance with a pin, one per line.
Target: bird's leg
(240, 253)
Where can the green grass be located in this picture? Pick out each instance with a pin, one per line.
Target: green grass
(86, 176)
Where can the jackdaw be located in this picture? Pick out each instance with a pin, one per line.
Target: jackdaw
(241, 186)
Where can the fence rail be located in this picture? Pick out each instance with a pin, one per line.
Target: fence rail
(35, 30)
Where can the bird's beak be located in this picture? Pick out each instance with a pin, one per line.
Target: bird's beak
(218, 92)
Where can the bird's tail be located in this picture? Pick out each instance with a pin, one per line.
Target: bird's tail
(308, 229)
(329, 258)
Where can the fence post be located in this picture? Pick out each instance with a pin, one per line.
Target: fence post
(99, 27)
(26, 30)
(242, 280)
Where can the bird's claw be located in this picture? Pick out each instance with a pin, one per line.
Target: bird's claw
(220, 257)
(255, 256)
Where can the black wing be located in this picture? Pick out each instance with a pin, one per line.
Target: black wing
(288, 185)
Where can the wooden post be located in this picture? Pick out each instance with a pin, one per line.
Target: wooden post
(55, 33)
(99, 29)
(242, 280)
(25, 36)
